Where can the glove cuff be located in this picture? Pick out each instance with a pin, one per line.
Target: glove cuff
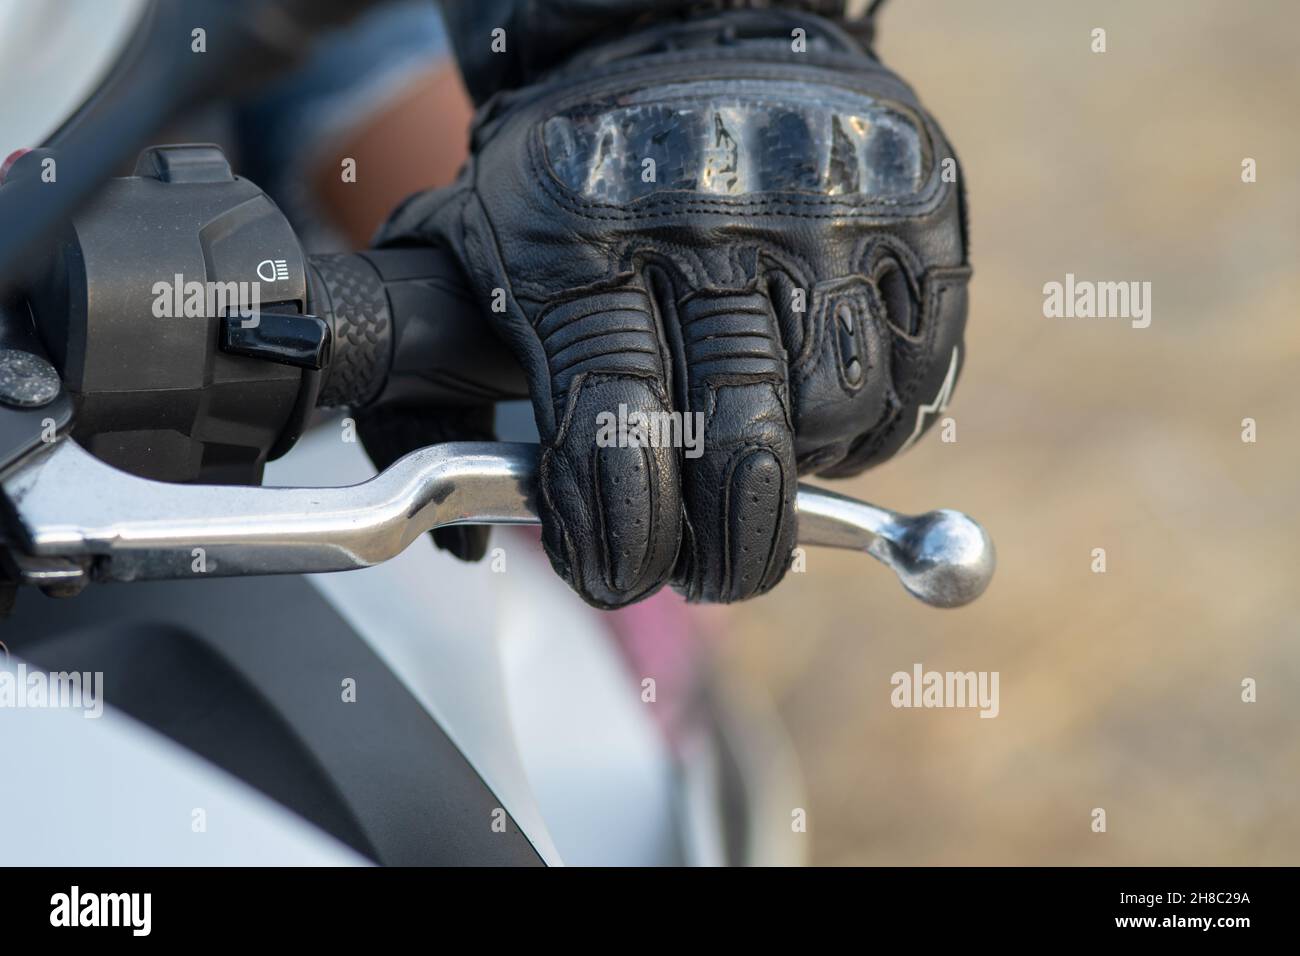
(541, 36)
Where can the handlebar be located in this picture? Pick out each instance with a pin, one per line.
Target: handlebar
(407, 331)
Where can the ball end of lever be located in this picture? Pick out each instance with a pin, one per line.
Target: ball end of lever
(942, 557)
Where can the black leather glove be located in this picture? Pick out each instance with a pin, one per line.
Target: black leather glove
(709, 217)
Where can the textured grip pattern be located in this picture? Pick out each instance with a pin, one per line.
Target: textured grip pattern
(348, 293)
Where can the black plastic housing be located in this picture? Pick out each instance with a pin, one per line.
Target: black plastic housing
(156, 395)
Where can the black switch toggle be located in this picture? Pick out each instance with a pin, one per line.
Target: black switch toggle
(282, 337)
(187, 163)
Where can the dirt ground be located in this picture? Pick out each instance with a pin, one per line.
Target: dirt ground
(1120, 690)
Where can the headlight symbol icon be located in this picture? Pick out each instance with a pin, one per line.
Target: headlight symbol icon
(273, 270)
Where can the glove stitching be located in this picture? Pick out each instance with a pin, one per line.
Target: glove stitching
(797, 271)
(598, 494)
(573, 573)
(828, 69)
(726, 591)
(768, 581)
(572, 570)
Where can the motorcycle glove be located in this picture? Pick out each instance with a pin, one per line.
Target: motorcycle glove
(726, 249)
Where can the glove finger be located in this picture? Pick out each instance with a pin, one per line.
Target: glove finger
(389, 433)
(924, 362)
(838, 369)
(610, 504)
(739, 485)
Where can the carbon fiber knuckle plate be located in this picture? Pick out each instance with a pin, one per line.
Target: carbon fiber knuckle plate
(736, 138)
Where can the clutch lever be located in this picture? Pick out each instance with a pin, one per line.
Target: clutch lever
(71, 506)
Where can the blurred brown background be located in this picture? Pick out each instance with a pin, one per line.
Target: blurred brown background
(1119, 690)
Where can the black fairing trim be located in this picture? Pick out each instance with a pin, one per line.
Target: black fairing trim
(248, 674)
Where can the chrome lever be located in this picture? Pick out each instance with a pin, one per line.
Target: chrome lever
(71, 505)
(944, 558)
